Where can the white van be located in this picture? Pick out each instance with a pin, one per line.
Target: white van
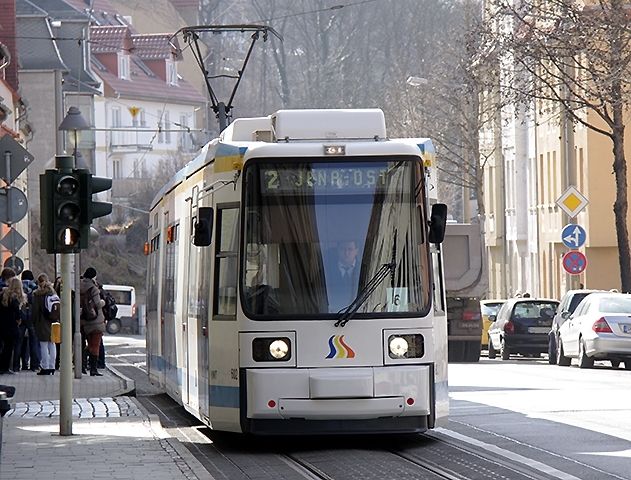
(126, 317)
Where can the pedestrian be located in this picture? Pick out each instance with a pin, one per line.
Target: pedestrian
(6, 274)
(27, 345)
(57, 287)
(109, 312)
(92, 318)
(11, 302)
(46, 310)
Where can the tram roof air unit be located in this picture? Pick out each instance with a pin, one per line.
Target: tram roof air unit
(359, 124)
(309, 125)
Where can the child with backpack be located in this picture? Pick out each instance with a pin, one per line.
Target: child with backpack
(45, 311)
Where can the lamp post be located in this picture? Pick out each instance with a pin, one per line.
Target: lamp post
(73, 122)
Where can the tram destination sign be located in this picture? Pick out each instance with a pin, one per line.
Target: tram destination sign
(340, 179)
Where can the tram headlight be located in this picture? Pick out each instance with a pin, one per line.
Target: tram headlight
(279, 349)
(406, 346)
(271, 349)
(398, 347)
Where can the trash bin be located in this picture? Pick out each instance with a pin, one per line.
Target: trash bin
(4, 408)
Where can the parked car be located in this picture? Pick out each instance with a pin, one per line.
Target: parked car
(489, 308)
(126, 317)
(521, 326)
(568, 304)
(599, 328)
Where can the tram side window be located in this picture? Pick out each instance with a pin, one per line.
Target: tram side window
(226, 267)
(170, 272)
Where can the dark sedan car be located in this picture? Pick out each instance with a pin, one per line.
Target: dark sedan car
(522, 326)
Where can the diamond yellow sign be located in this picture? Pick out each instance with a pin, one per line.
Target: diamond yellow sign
(572, 201)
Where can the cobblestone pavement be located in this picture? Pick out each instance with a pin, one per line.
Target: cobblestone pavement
(81, 408)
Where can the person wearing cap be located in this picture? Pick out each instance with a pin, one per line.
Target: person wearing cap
(92, 318)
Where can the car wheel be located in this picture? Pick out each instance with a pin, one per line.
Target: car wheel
(113, 326)
(615, 363)
(583, 360)
(492, 352)
(627, 364)
(562, 360)
(505, 354)
(552, 351)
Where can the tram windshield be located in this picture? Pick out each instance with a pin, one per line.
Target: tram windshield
(318, 232)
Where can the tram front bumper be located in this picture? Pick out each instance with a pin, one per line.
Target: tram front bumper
(339, 393)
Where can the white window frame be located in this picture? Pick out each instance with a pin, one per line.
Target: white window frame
(117, 168)
(123, 66)
(167, 127)
(171, 72)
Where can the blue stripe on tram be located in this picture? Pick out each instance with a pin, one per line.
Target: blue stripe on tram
(223, 396)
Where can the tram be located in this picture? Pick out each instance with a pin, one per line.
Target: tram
(295, 281)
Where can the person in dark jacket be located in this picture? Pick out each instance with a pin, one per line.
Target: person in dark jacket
(92, 318)
(11, 302)
(27, 345)
(46, 310)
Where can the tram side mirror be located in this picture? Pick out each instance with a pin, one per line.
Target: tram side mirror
(438, 223)
(203, 228)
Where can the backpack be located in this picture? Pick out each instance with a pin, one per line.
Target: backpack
(110, 309)
(52, 307)
(28, 287)
(88, 308)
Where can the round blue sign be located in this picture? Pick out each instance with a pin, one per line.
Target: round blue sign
(573, 236)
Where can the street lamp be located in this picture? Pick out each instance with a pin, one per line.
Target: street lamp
(74, 122)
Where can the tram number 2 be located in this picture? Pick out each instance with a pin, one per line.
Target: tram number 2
(234, 374)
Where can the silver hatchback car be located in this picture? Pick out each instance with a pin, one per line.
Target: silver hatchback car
(599, 328)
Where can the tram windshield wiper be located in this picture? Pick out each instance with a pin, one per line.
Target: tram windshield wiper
(347, 313)
(386, 269)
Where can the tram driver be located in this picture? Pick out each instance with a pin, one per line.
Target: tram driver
(342, 276)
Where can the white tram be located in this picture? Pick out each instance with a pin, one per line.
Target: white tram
(252, 324)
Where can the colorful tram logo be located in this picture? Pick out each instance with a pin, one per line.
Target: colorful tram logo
(339, 349)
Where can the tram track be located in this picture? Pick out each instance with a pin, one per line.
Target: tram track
(423, 457)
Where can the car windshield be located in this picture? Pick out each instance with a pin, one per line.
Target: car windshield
(614, 305)
(534, 309)
(490, 308)
(318, 232)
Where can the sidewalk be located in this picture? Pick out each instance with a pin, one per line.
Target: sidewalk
(113, 435)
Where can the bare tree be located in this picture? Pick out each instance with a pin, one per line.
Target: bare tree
(573, 58)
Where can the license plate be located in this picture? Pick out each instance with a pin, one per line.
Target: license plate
(538, 329)
(626, 328)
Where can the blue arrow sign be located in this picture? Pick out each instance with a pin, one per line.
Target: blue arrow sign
(573, 236)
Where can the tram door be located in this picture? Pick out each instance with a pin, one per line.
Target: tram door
(190, 374)
(187, 325)
(198, 301)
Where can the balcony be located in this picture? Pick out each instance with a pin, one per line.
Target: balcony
(130, 139)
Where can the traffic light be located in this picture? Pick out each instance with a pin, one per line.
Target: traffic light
(60, 201)
(89, 185)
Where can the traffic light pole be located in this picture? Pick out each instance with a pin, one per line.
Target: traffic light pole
(65, 164)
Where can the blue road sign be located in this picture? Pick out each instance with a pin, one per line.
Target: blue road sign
(573, 236)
